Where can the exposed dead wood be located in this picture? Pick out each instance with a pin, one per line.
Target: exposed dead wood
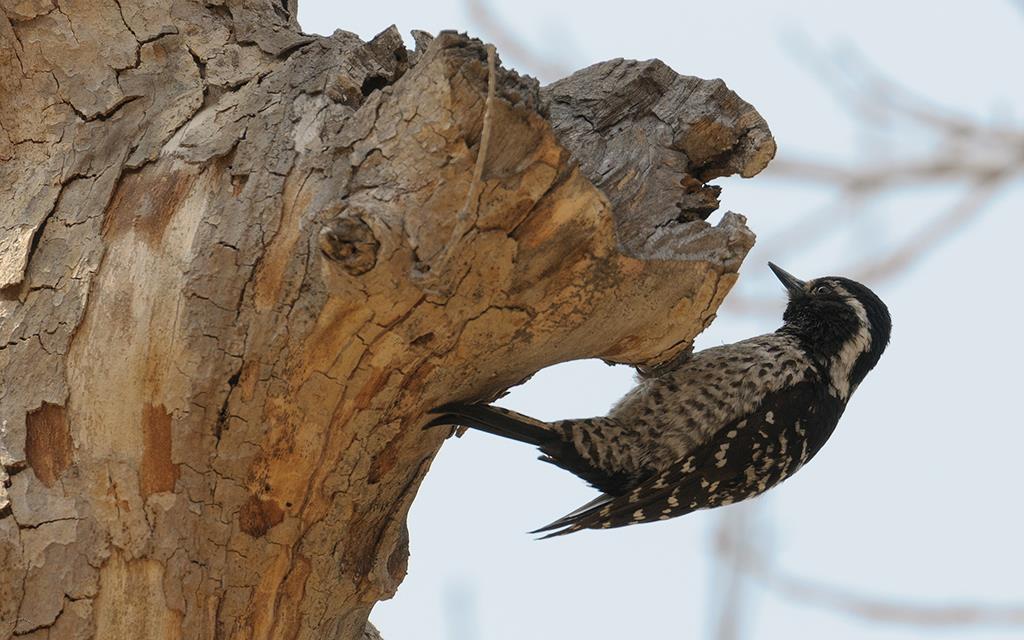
(231, 287)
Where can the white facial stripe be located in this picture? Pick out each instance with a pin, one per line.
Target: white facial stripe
(852, 348)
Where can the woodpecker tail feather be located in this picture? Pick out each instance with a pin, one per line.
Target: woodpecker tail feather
(566, 523)
(500, 422)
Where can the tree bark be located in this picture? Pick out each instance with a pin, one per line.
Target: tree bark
(238, 263)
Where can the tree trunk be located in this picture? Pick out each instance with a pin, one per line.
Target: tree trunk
(238, 263)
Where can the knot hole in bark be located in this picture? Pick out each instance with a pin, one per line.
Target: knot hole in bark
(349, 241)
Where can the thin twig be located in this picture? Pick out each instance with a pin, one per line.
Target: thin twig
(471, 205)
(736, 549)
(511, 46)
(467, 215)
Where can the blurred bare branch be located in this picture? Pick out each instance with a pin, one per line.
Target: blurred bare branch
(886, 264)
(982, 158)
(939, 229)
(736, 550)
(730, 599)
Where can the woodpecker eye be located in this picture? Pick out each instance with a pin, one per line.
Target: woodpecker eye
(821, 289)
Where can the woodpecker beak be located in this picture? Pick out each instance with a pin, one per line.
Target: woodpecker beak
(788, 280)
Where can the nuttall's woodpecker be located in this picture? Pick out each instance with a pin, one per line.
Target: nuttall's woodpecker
(725, 424)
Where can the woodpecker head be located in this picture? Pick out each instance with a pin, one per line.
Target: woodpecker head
(841, 323)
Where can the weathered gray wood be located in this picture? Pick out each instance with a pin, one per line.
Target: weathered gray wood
(651, 139)
(231, 282)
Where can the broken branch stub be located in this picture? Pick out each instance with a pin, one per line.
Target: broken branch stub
(215, 310)
(350, 242)
(651, 140)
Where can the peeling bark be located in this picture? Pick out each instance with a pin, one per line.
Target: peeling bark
(233, 276)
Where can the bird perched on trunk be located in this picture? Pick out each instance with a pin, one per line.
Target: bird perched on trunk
(726, 424)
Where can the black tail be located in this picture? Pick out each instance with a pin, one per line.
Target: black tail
(500, 422)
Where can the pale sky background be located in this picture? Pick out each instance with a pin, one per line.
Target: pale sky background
(917, 496)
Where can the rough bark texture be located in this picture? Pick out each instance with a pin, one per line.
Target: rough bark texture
(237, 263)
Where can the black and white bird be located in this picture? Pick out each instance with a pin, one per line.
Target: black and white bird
(724, 425)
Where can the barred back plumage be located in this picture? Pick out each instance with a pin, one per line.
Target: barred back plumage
(726, 424)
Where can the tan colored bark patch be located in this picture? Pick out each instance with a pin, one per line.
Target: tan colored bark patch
(156, 473)
(48, 445)
(291, 596)
(258, 516)
(384, 461)
(146, 202)
(271, 272)
(130, 602)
